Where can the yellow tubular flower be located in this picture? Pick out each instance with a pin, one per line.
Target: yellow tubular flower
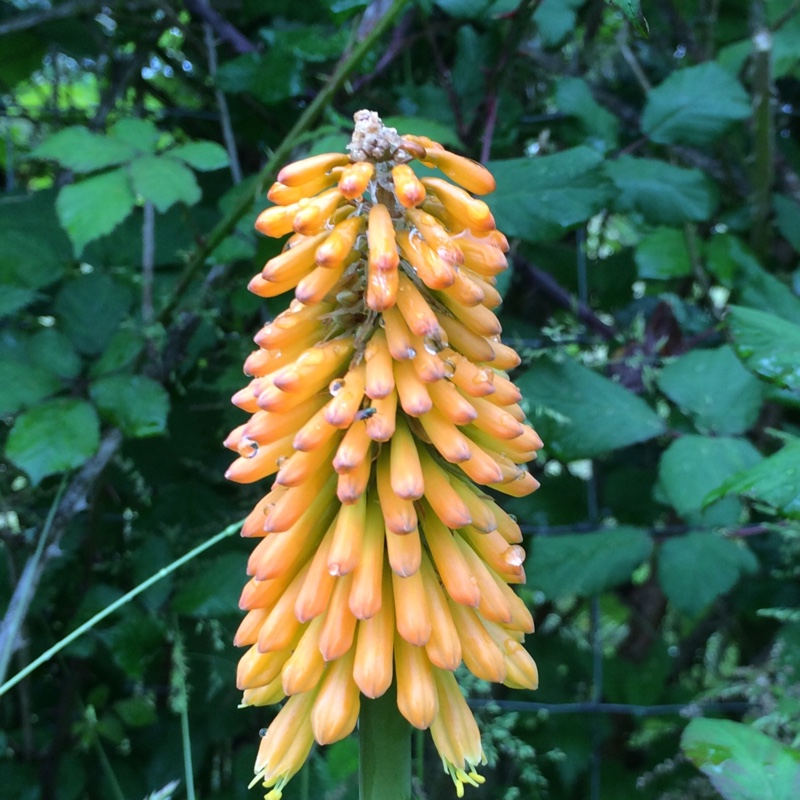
(380, 403)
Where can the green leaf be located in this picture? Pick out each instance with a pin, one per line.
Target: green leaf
(121, 351)
(662, 193)
(90, 309)
(272, 77)
(141, 135)
(713, 387)
(693, 466)
(212, 590)
(662, 255)
(55, 436)
(164, 181)
(94, 207)
(555, 20)
(694, 570)
(787, 212)
(573, 97)
(741, 762)
(581, 414)
(584, 564)
(137, 712)
(774, 481)
(24, 385)
(53, 351)
(538, 198)
(203, 156)
(767, 345)
(14, 298)
(26, 261)
(81, 150)
(694, 106)
(134, 403)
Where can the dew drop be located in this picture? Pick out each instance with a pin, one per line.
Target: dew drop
(431, 345)
(248, 448)
(262, 733)
(412, 353)
(280, 461)
(449, 368)
(333, 569)
(512, 517)
(336, 386)
(515, 556)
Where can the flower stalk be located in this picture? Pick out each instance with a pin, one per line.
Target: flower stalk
(380, 403)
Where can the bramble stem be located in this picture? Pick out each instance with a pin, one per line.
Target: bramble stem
(384, 750)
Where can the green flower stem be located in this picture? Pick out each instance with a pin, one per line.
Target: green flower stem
(110, 609)
(384, 750)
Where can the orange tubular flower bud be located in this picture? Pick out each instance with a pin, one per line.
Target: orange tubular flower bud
(474, 177)
(258, 669)
(310, 168)
(416, 692)
(305, 667)
(316, 213)
(347, 396)
(365, 593)
(374, 651)
(432, 269)
(406, 470)
(355, 179)
(354, 448)
(398, 335)
(381, 424)
(483, 657)
(360, 578)
(285, 195)
(407, 187)
(347, 538)
(483, 518)
(473, 213)
(317, 588)
(464, 340)
(445, 437)
(435, 236)
(449, 562)
(453, 406)
(443, 499)
(339, 245)
(339, 626)
(493, 606)
(416, 311)
(398, 513)
(294, 263)
(381, 287)
(482, 255)
(443, 647)
(338, 702)
(380, 376)
(383, 254)
(319, 283)
(352, 484)
(412, 391)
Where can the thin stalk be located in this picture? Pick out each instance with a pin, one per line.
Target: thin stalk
(110, 609)
(26, 588)
(108, 770)
(180, 702)
(279, 156)
(384, 750)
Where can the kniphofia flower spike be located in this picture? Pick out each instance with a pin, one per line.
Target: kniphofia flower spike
(381, 403)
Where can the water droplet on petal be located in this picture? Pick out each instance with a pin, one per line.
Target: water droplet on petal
(515, 556)
(412, 353)
(248, 448)
(280, 461)
(262, 733)
(336, 386)
(449, 368)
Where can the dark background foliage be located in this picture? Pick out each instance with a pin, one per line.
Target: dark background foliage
(648, 175)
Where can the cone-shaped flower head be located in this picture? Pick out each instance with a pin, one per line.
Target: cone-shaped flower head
(380, 404)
